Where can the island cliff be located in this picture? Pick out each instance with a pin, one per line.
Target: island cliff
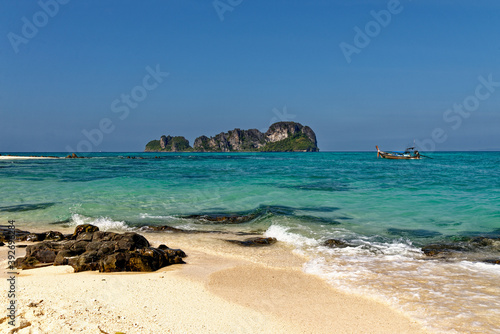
(280, 137)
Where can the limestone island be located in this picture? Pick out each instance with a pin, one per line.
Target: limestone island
(280, 137)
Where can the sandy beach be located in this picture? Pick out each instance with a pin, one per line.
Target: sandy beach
(222, 288)
(17, 157)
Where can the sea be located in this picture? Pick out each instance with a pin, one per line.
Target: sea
(383, 212)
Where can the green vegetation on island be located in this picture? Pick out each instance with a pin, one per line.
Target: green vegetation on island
(296, 143)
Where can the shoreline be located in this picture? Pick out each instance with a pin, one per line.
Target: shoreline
(20, 157)
(223, 287)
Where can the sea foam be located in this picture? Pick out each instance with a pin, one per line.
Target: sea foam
(104, 223)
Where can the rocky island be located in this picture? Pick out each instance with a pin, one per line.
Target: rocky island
(280, 137)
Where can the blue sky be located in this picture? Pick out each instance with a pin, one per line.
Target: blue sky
(263, 61)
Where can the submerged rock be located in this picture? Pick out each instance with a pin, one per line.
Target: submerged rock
(464, 245)
(435, 249)
(336, 243)
(417, 233)
(91, 249)
(254, 242)
(164, 228)
(224, 219)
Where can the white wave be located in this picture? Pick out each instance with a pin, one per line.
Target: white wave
(104, 223)
(481, 267)
(282, 233)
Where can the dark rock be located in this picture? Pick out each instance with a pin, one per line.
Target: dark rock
(254, 242)
(224, 219)
(54, 235)
(63, 257)
(174, 252)
(85, 228)
(435, 249)
(164, 228)
(84, 262)
(464, 244)
(50, 235)
(1, 244)
(492, 261)
(130, 241)
(6, 232)
(114, 262)
(103, 251)
(336, 243)
(78, 246)
(43, 252)
(72, 156)
(85, 236)
(34, 237)
(27, 262)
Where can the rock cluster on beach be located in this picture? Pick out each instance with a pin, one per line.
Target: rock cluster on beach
(280, 137)
(90, 249)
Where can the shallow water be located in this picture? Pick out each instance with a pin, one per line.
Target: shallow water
(385, 210)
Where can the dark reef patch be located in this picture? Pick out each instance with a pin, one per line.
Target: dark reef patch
(319, 186)
(26, 207)
(263, 211)
(480, 248)
(417, 233)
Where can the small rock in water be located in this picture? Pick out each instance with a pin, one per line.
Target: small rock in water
(335, 243)
(254, 242)
(435, 249)
(224, 219)
(163, 228)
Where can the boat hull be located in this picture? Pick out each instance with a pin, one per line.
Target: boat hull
(396, 156)
(389, 156)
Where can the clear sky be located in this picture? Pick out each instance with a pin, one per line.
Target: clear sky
(358, 72)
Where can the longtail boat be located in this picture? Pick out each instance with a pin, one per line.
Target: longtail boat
(410, 154)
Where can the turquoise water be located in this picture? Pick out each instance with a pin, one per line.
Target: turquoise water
(385, 209)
